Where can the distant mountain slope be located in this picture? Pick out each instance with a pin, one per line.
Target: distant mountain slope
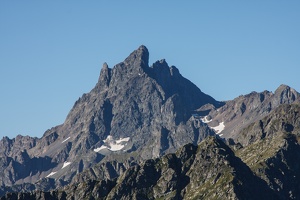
(236, 114)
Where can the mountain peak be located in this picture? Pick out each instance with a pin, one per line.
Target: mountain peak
(283, 87)
(104, 77)
(143, 48)
(139, 57)
(286, 94)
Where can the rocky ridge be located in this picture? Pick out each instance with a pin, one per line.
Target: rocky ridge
(207, 171)
(272, 150)
(238, 113)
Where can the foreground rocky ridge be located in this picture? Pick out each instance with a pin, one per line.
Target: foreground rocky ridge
(208, 171)
(272, 150)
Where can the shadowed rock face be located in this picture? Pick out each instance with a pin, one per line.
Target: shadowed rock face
(135, 110)
(272, 150)
(209, 171)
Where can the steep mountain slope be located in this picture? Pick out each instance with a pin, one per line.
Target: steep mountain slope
(135, 110)
(272, 149)
(236, 114)
(208, 171)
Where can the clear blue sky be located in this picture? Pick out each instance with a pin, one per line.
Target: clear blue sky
(51, 52)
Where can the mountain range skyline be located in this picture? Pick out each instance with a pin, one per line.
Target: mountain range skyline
(40, 134)
(51, 53)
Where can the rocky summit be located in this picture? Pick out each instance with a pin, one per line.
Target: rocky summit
(146, 132)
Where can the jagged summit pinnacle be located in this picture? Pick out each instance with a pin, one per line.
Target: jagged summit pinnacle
(104, 77)
(286, 89)
(286, 94)
(143, 47)
(283, 87)
(135, 67)
(138, 57)
(136, 63)
(105, 65)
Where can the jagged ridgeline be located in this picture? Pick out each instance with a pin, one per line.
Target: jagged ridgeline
(208, 171)
(146, 132)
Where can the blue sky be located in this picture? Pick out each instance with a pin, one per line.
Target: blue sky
(51, 52)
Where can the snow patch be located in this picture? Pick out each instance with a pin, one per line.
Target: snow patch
(100, 148)
(65, 140)
(205, 120)
(218, 129)
(51, 174)
(108, 139)
(122, 140)
(113, 145)
(66, 164)
(116, 147)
